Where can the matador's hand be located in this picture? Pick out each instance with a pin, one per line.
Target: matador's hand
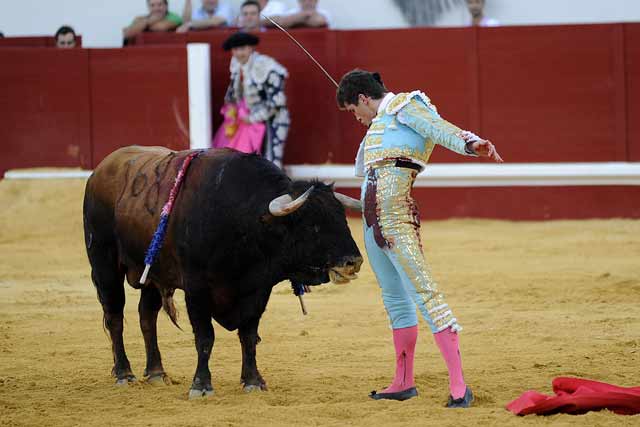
(485, 148)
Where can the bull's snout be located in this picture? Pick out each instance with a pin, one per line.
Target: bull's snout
(346, 269)
(353, 262)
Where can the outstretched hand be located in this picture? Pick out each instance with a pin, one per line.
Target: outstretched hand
(485, 148)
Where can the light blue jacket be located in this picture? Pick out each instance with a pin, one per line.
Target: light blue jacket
(409, 128)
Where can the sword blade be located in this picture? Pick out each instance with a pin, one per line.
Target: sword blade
(301, 47)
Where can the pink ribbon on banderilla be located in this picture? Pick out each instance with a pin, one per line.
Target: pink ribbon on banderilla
(158, 236)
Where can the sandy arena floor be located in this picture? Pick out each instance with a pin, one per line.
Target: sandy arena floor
(537, 300)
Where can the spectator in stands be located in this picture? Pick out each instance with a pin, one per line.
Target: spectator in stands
(255, 110)
(65, 37)
(212, 14)
(306, 14)
(476, 9)
(272, 8)
(249, 19)
(159, 19)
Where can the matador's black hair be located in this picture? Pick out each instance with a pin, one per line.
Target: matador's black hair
(357, 82)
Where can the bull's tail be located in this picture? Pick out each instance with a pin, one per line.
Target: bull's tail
(169, 307)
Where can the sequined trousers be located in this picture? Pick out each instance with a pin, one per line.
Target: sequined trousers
(392, 238)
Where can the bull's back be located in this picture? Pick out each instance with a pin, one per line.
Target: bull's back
(118, 190)
(112, 175)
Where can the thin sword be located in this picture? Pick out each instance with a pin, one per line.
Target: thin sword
(301, 47)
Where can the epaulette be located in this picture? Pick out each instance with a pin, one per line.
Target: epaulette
(401, 100)
(263, 65)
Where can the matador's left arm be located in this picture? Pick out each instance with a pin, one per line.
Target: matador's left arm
(427, 123)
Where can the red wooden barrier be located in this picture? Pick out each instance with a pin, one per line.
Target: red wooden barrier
(44, 108)
(552, 93)
(37, 41)
(529, 203)
(549, 93)
(632, 57)
(314, 138)
(151, 38)
(25, 41)
(132, 96)
(542, 94)
(438, 62)
(524, 203)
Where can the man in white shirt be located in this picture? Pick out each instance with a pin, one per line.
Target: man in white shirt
(476, 10)
(272, 7)
(249, 18)
(212, 14)
(306, 14)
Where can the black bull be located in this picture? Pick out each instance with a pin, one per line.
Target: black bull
(239, 226)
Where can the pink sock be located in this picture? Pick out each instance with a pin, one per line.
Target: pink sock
(404, 341)
(447, 342)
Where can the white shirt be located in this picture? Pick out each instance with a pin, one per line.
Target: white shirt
(322, 12)
(385, 101)
(359, 167)
(485, 22)
(223, 11)
(274, 8)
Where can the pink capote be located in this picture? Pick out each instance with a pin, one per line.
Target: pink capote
(236, 133)
(577, 396)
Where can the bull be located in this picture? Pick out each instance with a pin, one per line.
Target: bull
(239, 226)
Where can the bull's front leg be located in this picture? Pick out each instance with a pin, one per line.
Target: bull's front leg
(249, 338)
(199, 309)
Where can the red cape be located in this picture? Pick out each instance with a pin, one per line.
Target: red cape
(577, 396)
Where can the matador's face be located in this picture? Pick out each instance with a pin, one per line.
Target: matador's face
(364, 111)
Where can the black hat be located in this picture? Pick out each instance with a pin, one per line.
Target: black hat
(240, 39)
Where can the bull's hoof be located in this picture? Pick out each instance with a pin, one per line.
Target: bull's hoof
(200, 393)
(250, 388)
(128, 379)
(161, 379)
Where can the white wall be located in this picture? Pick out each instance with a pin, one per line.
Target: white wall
(524, 12)
(100, 21)
(364, 14)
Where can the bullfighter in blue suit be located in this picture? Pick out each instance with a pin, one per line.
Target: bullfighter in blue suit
(403, 130)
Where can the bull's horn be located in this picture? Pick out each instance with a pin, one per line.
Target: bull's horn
(284, 205)
(348, 202)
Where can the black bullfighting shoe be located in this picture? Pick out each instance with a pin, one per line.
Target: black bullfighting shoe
(463, 402)
(398, 395)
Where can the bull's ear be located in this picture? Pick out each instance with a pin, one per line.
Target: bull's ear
(349, 202)
(284, 205)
